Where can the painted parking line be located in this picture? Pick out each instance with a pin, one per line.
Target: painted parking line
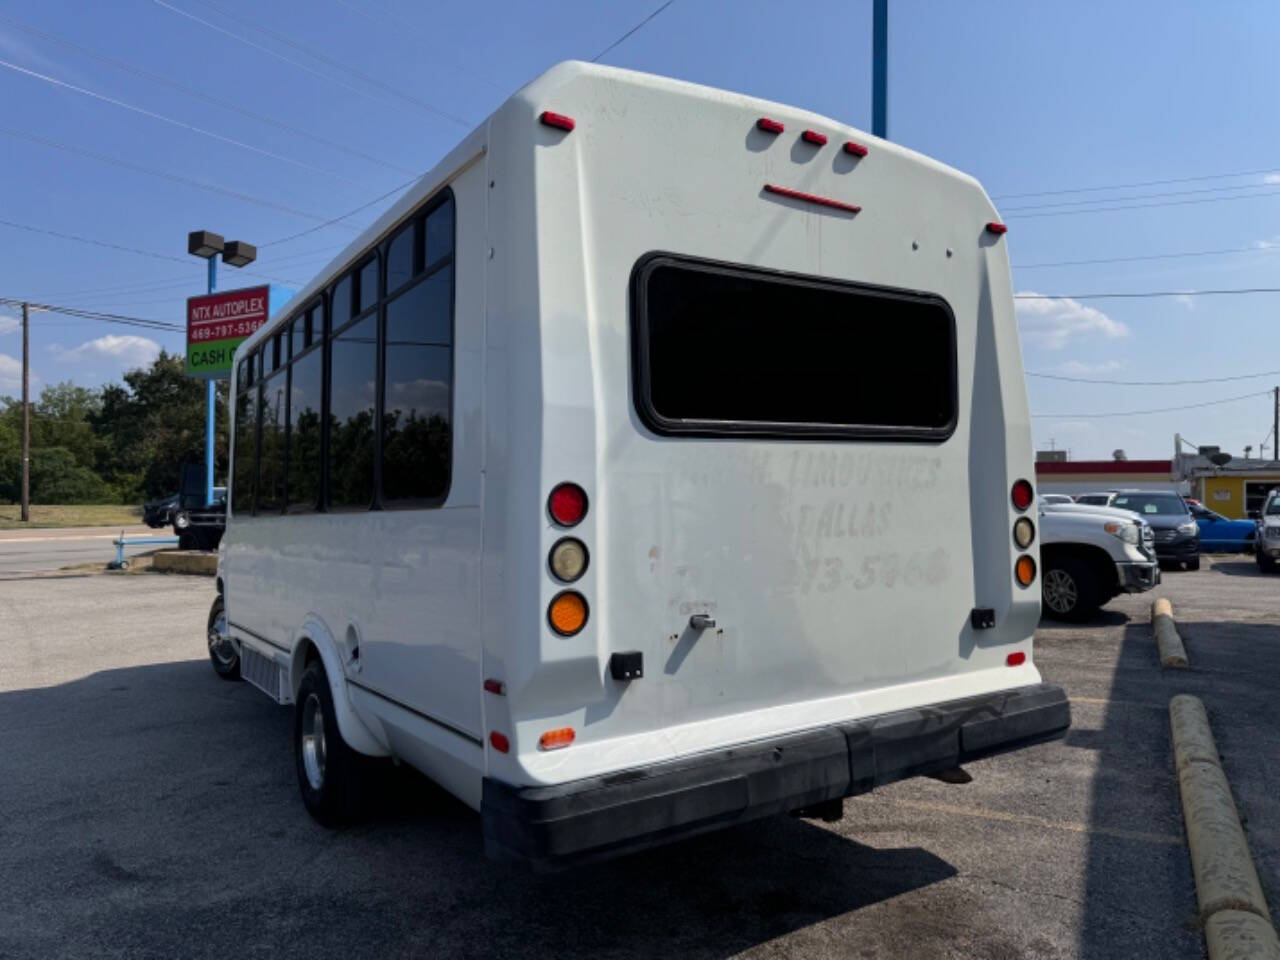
(1070, 826)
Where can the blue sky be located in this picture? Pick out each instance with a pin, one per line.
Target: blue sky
(1027, 96)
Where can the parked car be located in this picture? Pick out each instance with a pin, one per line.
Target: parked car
(159, 513)
(1267, 542)
(1090, 554)
(1177, 535)
(1056, 498)
(1095, 499)
(1218, 534)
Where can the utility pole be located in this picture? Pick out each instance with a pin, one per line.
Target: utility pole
(26, 412)
(1275, 423)
(880, 69)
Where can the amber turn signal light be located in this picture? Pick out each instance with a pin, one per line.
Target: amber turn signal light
(567, 613)
(1024, 571)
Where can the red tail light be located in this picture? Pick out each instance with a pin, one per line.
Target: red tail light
(1016, 659)
(1022, 494)
(567, 504)
(499, 741)
(557, 120)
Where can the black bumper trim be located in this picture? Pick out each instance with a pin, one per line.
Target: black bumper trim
(599, 817)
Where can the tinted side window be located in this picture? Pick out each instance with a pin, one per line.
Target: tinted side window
(271, 401)
(401, 264)
(340, 307)
(245, 454)
(306, 379)
(416, 436)
(368, 285)
(351, 414)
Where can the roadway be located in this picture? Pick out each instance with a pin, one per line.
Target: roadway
(26, 552)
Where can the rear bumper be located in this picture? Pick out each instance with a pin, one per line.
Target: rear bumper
(600, 817)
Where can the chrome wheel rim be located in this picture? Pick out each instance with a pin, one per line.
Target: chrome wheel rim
(1060, 593)
(219, 644)
(313, 741)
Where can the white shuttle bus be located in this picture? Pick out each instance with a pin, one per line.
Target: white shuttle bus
(658, 462)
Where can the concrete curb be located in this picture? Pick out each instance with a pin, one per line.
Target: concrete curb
(186, 561)
(1172, 652)
(1232, 906)
(1235, 935)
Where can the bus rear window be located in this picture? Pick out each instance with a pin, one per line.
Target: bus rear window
(722, 350)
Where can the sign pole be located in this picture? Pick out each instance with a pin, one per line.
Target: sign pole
(880, 69)
(209, 398)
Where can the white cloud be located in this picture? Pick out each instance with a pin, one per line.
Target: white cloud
(1077, 368)
(1186, 300)
(1271, 178)
(131, 350)
(1054, 322)
(9, 324)
(11, 373)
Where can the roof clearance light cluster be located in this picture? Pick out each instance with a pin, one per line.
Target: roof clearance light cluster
(769, 126)
(558, 120)
(996, 228)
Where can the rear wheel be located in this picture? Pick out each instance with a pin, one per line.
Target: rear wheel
(1265, 563)
(1069, 589)
(1193, 564)
(222, 652)
(333, 778)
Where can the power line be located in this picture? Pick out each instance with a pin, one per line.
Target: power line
(134, 250)
(124, 319)
(1153, 256)
(1135, 184)
(1153, 383)
(310, 230)
(1144, 295)
(336, 64)
(1143, 206)
(170, 120)
(201, 95)
(1136, 196)
(163, 174)
(344, 67)
(1138, 413)
(625, 36)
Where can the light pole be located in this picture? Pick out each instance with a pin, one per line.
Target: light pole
(235, 253)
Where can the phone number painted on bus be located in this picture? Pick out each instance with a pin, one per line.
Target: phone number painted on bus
(217, 323)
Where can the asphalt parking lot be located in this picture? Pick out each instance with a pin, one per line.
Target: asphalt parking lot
(148, 809)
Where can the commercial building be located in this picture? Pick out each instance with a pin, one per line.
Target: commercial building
(1091, 476)
(1235, 489)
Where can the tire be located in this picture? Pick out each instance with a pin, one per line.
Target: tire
(334, 780)
(1069, 590)
(224, 656)
(186, 540)
(1265, 563)
(1193, 564)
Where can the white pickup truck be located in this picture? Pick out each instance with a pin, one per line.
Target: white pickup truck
(1089, 554)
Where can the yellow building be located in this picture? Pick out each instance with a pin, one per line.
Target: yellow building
(1235, 491)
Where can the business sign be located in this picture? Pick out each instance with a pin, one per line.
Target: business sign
(216, 325)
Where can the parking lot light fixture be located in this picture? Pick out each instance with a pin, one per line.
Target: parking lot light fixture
(237, 253)
(204, 243)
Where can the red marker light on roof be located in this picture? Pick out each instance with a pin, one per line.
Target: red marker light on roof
(495, 686)
(811, 198)
(814, 137)
(557, 120)
(996, 228)
(857, 149)
(769, 126)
